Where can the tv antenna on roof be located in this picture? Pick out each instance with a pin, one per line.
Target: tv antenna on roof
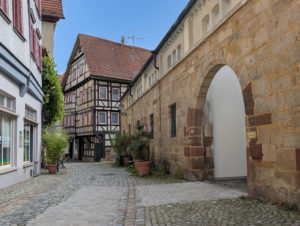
(134, 38)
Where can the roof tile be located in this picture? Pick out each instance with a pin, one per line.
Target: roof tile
(52, 8)
(111, 59)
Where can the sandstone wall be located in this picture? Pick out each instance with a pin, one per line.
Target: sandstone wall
(261, 43)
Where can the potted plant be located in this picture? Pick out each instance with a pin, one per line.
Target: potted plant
(120, 144)
(139, 147)
(55, 144)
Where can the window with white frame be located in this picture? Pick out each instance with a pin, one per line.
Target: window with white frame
(103, 93)
(30, 113)
(115, 118)
(139, 92)
(6, 102)
(102, 118)
(28, 142)
(5, 141)
(115, 93)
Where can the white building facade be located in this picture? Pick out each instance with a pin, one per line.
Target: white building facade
(21, 95)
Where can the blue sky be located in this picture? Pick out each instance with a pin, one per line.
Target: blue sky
(110, 19)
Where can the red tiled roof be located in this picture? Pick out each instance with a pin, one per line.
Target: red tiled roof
(111, 59)
(52, 8)
(61, 77)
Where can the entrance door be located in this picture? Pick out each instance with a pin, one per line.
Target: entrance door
(99, 153)
(81, 149)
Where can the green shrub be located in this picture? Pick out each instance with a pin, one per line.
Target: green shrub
(139, 143)
(290, 206)
(55, 144)
(132, 170)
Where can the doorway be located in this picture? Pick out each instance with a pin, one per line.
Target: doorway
(224, 122)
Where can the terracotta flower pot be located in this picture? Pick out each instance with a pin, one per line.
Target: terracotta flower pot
(125, 161)
(144, 168)
(52, 169)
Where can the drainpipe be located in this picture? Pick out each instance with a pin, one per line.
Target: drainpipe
(24, 88)
(132, 121)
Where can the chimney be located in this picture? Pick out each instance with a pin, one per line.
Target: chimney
(123, 40)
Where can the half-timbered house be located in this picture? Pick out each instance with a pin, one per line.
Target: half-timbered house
(97, 74)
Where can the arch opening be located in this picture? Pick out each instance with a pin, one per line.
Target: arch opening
(224, 127)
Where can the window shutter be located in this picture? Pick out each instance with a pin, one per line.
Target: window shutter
(6, 6)
(34, 44)
(1, 3)
(21, 17)
(15, 12)
(41, 57)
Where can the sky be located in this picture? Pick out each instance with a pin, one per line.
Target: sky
(148, 20)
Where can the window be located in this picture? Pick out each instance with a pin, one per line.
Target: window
(152, 125)
(226, 4)
(115, 118)
(30, 113)
(115, 93)
(28, 142)
(139, 91)
(6, 102)
(178, 52)
(215, 14)
(173, 57)
(102, 117)
(129, 130)
(18, 16)
(5, 141)
(89, 93)
(173, 120)
(4, 6)
(205, 23)
(169, 61)
(103, 93)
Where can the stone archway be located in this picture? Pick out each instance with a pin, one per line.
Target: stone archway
(199, 164)
(224, 131)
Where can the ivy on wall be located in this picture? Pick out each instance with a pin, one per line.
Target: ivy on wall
(53, 105)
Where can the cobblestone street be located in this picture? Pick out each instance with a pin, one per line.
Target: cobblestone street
(98, 194)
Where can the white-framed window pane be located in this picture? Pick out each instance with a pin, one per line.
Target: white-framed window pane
(2, 100)
(27, 138)
(5, 145)
(115, 118)
(103, 93)
(102, 117)
(115, 93)
(8, 103)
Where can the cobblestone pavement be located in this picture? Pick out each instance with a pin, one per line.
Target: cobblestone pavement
(97, 194)
(75, 188)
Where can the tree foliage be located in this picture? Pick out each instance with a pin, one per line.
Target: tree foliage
(53, 106)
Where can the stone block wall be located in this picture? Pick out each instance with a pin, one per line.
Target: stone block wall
(261, 43)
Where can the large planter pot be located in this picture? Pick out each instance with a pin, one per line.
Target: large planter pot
(125, 161)
(144, 168)
(136, 161)
(52, 169)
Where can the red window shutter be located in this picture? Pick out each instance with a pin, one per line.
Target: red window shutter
(34, 43)
(15, 13)
(21, 17)
(41, 58)
(6, 7)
